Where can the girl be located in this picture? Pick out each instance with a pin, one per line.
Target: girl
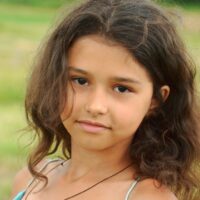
(114, 88)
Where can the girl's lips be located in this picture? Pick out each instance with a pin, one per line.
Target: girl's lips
(92, 127)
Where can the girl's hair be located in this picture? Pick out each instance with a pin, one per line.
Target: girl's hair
(166, 145)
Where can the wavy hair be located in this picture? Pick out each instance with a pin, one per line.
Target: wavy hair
(166, 146)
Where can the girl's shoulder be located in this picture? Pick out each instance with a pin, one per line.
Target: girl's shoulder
(24, 178)
(20, 181)
(150, 189)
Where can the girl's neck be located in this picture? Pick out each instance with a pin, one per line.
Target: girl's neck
(86, 163)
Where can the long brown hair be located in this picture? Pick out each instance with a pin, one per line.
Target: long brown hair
(166, 146)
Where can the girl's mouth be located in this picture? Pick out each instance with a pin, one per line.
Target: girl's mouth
(92, 127)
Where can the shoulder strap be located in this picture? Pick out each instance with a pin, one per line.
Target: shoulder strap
(41, 170)
(19, 196)
(131, 188)
(49, 161)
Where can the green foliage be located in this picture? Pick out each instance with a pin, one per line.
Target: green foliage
(182, 1)
(186, 4)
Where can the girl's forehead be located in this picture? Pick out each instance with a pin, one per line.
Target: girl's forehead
(95, 46)
(94, 40)
(97, 38)
(94, 54)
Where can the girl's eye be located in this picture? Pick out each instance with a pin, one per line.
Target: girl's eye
(79, 80)
(121, 89)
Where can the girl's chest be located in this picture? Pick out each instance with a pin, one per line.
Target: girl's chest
(116, 191)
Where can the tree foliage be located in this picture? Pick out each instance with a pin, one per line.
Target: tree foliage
(182, 1)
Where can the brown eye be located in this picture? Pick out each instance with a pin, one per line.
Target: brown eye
(121, 89)
(79, 80)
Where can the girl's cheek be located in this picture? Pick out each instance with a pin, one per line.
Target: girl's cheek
(63, 114)
(68, 105)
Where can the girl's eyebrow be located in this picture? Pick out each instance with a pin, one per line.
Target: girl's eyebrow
(126, 80)
(116, 79)
(77, 70)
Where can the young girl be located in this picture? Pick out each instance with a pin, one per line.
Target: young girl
(114, 88)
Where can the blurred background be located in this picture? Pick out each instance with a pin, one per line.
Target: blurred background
(24, 24)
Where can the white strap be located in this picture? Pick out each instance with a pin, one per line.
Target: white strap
(42, 169)
(131, 188)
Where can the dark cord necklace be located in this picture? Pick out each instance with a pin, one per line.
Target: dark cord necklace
(70, 197)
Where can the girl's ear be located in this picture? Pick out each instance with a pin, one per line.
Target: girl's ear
(164, 91)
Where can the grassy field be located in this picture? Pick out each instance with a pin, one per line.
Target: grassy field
(21, 30)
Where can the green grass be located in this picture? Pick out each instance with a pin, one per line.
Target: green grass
(12, 148)
(9, 93)
(38, 3)
(21, 30)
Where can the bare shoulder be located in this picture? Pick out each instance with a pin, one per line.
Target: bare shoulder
(23, 177)
(150, 189)
(20, 181)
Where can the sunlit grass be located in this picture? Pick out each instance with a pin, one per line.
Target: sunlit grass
(21, 30)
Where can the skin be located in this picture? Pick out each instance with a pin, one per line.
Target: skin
(100, 91)
(100, 97)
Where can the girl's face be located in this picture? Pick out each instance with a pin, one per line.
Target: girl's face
(110, 92)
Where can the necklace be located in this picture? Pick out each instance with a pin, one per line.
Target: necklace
(70, 197)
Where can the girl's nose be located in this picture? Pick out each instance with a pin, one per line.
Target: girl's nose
(97, 103)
